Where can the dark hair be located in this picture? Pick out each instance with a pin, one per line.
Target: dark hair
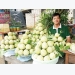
(55, 14)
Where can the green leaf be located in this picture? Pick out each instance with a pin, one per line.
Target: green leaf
(16, 54)
(58, 50)
(61, 47)
(57, 55)
(33, 44)
(29, 41)
(66, 47)
(60, 54)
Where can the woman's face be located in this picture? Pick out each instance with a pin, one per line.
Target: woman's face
(56, 20)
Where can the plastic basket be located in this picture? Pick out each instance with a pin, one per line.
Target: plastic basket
(24, 58)
(54, 61)
(9, 52)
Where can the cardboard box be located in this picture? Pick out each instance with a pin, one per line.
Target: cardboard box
(1, 28)
(4, 28)
(1, 37)
(33, 17)
(30, 20)
(37, 12)
(37, 19)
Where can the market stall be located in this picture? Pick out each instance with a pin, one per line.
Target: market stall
(36, 45)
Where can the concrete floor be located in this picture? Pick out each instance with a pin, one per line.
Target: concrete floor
(1, 61)
(61, 61)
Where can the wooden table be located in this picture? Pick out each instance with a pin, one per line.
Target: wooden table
(13, 60)
(69, 57)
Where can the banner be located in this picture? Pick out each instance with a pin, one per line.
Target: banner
(4, 17)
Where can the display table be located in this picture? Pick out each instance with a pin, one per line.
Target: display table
(13, 60)
(69, 57)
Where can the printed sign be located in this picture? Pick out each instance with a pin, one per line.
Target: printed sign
(4, 17)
